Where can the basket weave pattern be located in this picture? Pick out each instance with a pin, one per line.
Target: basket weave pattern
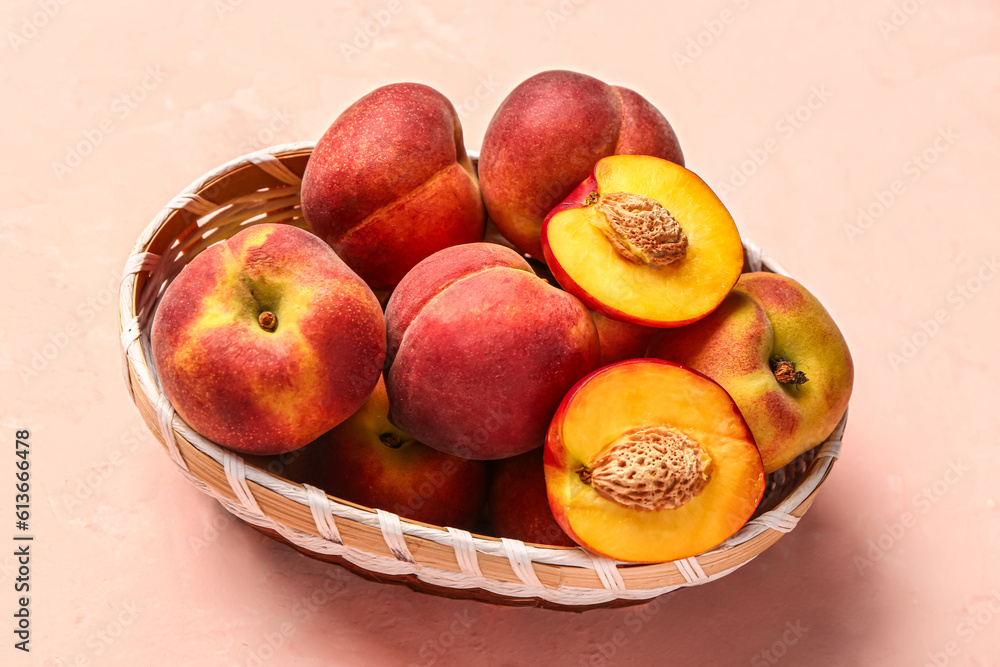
(264, 187)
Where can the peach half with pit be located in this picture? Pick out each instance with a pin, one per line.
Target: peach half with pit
(647, 461)
(266, 340)
(646, 241)
(481, 352)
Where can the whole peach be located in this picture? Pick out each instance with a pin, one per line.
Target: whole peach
(390, 183)
(777, 351)
(368, 460)
(433, 275)
(266, 340)
(484, 354)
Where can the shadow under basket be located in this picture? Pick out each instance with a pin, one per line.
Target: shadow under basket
(263, 187)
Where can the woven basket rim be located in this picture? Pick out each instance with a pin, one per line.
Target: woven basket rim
(139, 372)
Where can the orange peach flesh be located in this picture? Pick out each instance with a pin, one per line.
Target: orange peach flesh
(677, 293)
(646, 392)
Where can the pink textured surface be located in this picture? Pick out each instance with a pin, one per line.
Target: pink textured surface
(800, 114)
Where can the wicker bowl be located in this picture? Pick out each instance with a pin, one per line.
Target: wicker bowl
(264, 187)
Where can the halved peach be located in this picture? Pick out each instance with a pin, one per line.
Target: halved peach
(647, 461)
(644, 240)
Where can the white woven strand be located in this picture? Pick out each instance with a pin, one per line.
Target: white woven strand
(388, 565)
(691, 570)
(236, 474)
(754, 255)
(192, 203)
(165, 419)
(608, 573)
(782, 522)
(520, 562)
(274, 167)
(392, 533)
(129, 335)
(319, 505)
(140, 261)
(830, 449)
(465, 552)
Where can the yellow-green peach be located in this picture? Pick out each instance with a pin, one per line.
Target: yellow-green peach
(777, 351)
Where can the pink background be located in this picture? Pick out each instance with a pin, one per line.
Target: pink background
(885, 106)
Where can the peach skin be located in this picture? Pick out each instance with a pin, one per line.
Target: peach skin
(620, 340)
(390, 183)
(519, 503)
(779, 354)
(265, 341)
(482, 358)
(367, 460)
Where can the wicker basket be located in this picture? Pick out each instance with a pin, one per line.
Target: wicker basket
(264, 187)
